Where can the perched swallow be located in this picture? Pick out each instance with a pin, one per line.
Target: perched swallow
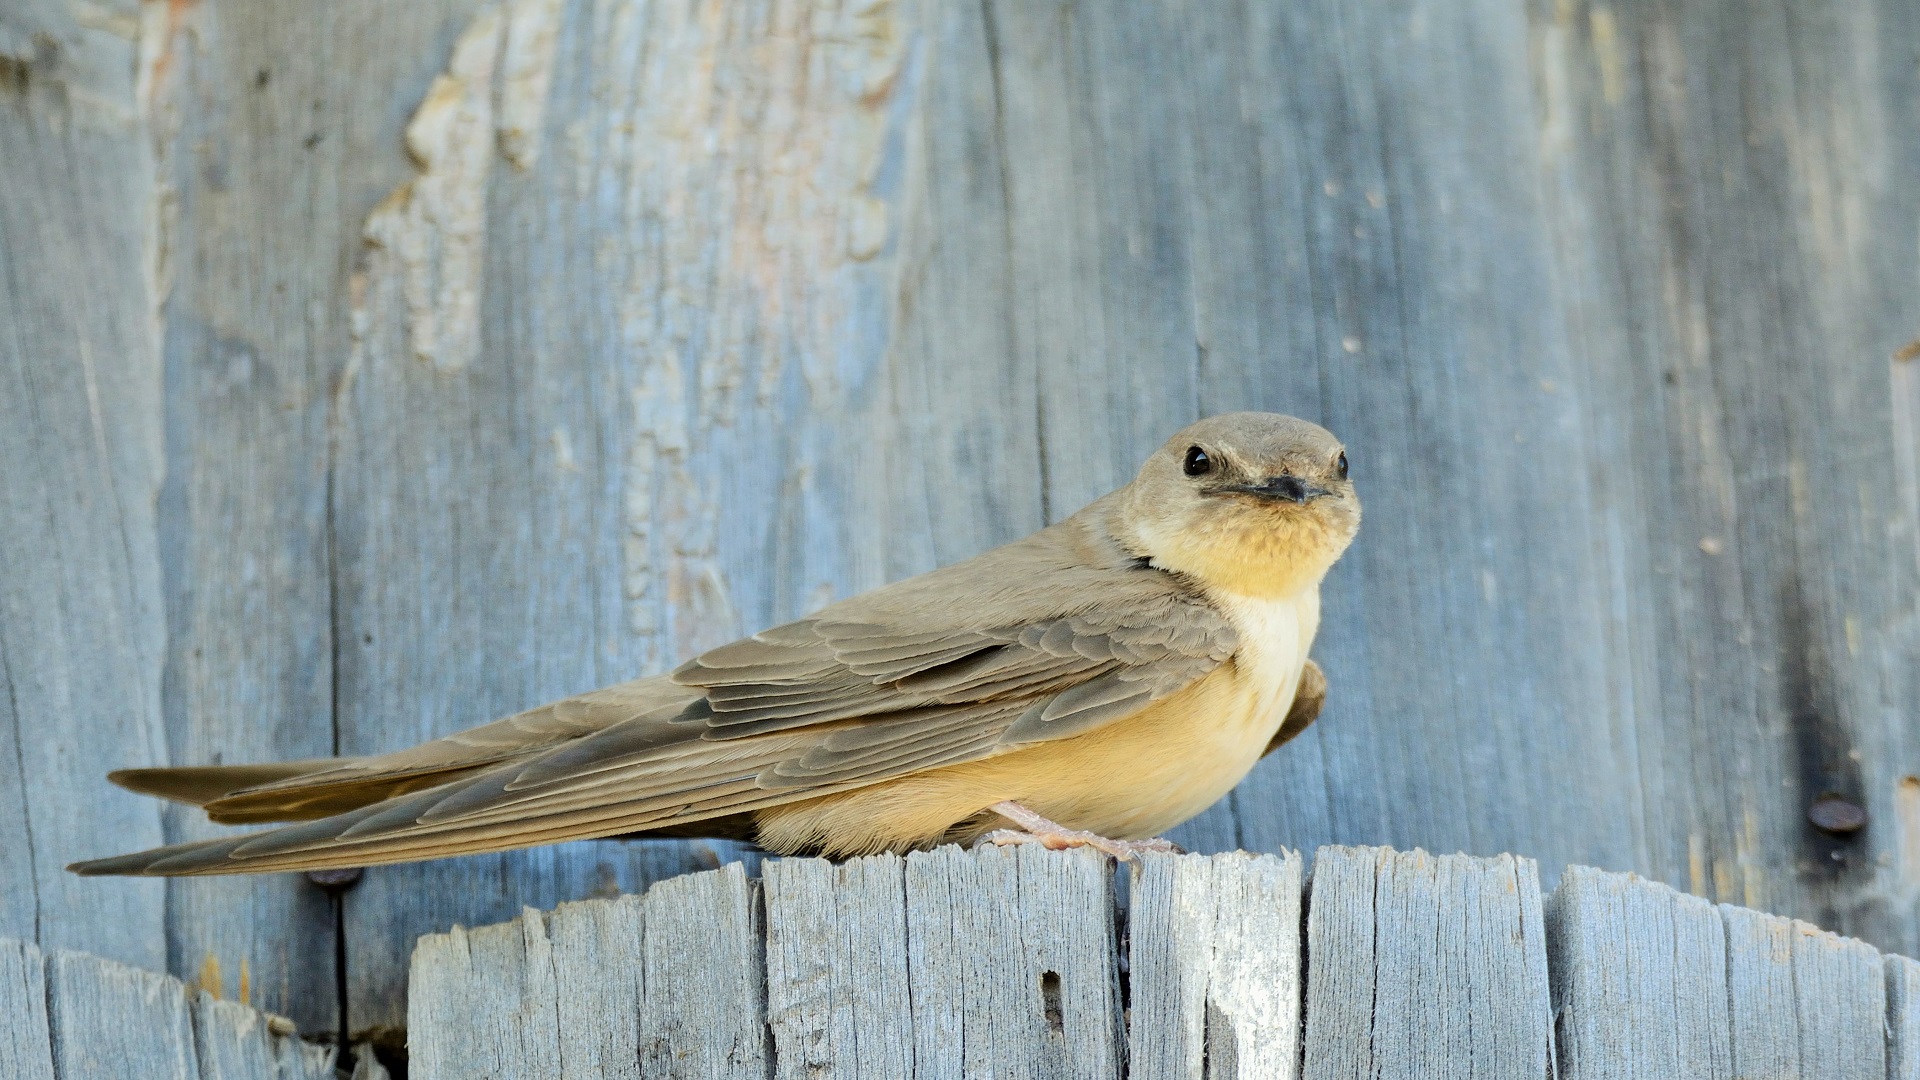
(1096, 683)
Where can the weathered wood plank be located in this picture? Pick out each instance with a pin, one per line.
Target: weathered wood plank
(585, 429)
(26, 1043)
(1903, 1018)
(482, 1001)
(598, 979)
(234, 1042)
(1841, 1004)
(959, 384)
(264, 193)
(111, 1020)
(671, 984)
(1434, 966)
(1020, 944)
(75, 1016)
(1803, 1002)
(839, 999)
(1215, 969)
(1639, 975)
(1727, 215)
(704, 1014)
(81, 627)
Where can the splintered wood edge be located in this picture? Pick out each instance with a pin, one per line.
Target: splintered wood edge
(70, 1014)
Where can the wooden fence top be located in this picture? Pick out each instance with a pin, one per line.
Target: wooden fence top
(1022, 962)
(1380, 965)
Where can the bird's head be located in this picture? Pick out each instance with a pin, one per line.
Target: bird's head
(1253, 503)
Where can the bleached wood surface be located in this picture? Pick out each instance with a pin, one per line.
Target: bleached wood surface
(1007, 963)
(1213, 955)
(69, 1016)
(1423, 965)
(1903, 1018)
(1022, 963)
(371, 369)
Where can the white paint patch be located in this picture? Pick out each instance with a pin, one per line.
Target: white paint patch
(435, 224)
(494, 91)
(738, 169)
(742, 148)
(526, 77)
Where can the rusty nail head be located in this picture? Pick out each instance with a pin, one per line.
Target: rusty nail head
(333, 880)
(1835, 814)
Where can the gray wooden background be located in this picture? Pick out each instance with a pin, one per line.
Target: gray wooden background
(370, 370)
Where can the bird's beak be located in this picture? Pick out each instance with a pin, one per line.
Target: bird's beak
(1281, 488)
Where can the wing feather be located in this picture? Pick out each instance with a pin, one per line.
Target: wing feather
(1044, 639)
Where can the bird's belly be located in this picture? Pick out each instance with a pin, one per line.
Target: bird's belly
(1130, 779)
(1142, 776)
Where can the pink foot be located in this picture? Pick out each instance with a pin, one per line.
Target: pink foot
(1054, 836)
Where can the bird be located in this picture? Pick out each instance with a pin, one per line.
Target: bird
(1091, 685)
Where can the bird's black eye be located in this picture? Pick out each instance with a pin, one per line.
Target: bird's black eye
(1197, 462)
(1340, 465)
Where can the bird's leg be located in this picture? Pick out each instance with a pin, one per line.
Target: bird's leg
(1035, 829)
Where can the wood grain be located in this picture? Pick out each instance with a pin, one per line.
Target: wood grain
(1216, 975)
(1003, 962)
(1803, 1002)
(1020, 946)
(234, 1042)
(596, 457)
(256, 186)
(81, 625)
(1750, 645)
(839, 996)
(1903, 1018)
(666, 985)
(1433, 965)
(26, 1041)
(72, 1016)
(1639, 979)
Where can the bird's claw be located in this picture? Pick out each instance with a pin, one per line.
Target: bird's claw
(1123, 850)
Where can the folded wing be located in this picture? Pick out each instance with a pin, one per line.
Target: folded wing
(1040, 640)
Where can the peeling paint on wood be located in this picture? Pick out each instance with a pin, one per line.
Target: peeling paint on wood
(435, 224)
